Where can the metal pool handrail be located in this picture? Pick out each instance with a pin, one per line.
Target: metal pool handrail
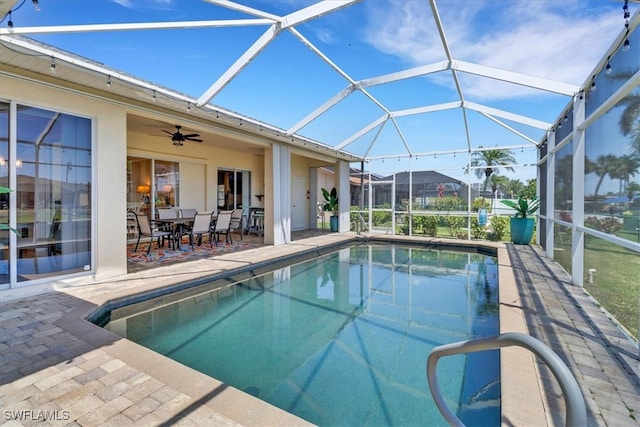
(576, 410)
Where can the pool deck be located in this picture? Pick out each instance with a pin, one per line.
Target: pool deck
(64, 370)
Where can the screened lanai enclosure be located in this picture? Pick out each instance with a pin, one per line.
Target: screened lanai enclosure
(439, 107)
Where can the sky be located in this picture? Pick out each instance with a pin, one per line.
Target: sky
(561, 40)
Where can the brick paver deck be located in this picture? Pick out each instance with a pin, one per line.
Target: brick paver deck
(58, 370)
(603, 360)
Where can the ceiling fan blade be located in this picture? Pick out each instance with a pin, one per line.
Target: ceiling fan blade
(191, 135)
(166, 131)
(193, 139)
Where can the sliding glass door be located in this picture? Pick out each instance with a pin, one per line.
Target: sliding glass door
(234, 189)
(47, 165)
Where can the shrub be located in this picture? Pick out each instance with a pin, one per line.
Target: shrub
(430, 225)
(417, 223)
(477, 231)
(404, 227)
(448, 203)
(499, 225)
(606, 225)
(382, 218)
(455, 224)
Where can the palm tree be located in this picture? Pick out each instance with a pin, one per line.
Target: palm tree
(632, 188)
(603, 166)
(629, 123)
(627, 167)
(635, 140)
(491, 159)
(498, 182)
(513, 187)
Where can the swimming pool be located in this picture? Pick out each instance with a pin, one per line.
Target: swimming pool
(341, 339)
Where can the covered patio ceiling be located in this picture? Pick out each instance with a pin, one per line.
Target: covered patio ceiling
(372, 79)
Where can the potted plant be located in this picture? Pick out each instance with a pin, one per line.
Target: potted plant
(331, 205)
(522, 223)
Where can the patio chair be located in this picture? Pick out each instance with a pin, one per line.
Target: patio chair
(201, 225)
(236, 223)
(223, 222)
(166, 213)
(188, 213)
(132, 224)
(145, 230)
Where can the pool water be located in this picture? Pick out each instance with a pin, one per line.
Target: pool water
(342, 339)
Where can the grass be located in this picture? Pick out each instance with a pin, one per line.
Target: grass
(615, 281)
(616, 285)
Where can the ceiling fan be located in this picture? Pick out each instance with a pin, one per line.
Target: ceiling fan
(178, 138)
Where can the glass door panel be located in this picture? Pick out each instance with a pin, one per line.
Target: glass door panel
(167, 184)
(53, 193)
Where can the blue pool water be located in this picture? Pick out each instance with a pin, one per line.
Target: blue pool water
(342, 339)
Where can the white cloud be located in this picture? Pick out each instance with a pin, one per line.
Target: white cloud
(559, 41)
(146, 4)
(123, 3)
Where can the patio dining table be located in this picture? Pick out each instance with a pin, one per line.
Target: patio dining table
(177, 226)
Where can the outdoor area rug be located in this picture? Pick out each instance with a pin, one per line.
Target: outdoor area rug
(165, 255)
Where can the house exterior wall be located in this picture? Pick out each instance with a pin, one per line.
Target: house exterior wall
(109, 163)
(113, 142)
(111, 146)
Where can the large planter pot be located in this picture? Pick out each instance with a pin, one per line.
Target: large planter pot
(333, 223)
(522, 230)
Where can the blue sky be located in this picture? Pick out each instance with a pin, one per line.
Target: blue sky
(560, 40)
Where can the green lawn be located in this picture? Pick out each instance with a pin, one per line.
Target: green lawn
(616, 282)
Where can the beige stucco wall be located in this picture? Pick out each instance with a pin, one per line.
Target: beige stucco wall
(211, 158)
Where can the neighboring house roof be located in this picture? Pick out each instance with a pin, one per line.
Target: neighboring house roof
(423, 177)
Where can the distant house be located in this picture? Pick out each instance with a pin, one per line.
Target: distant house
(426, 185)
